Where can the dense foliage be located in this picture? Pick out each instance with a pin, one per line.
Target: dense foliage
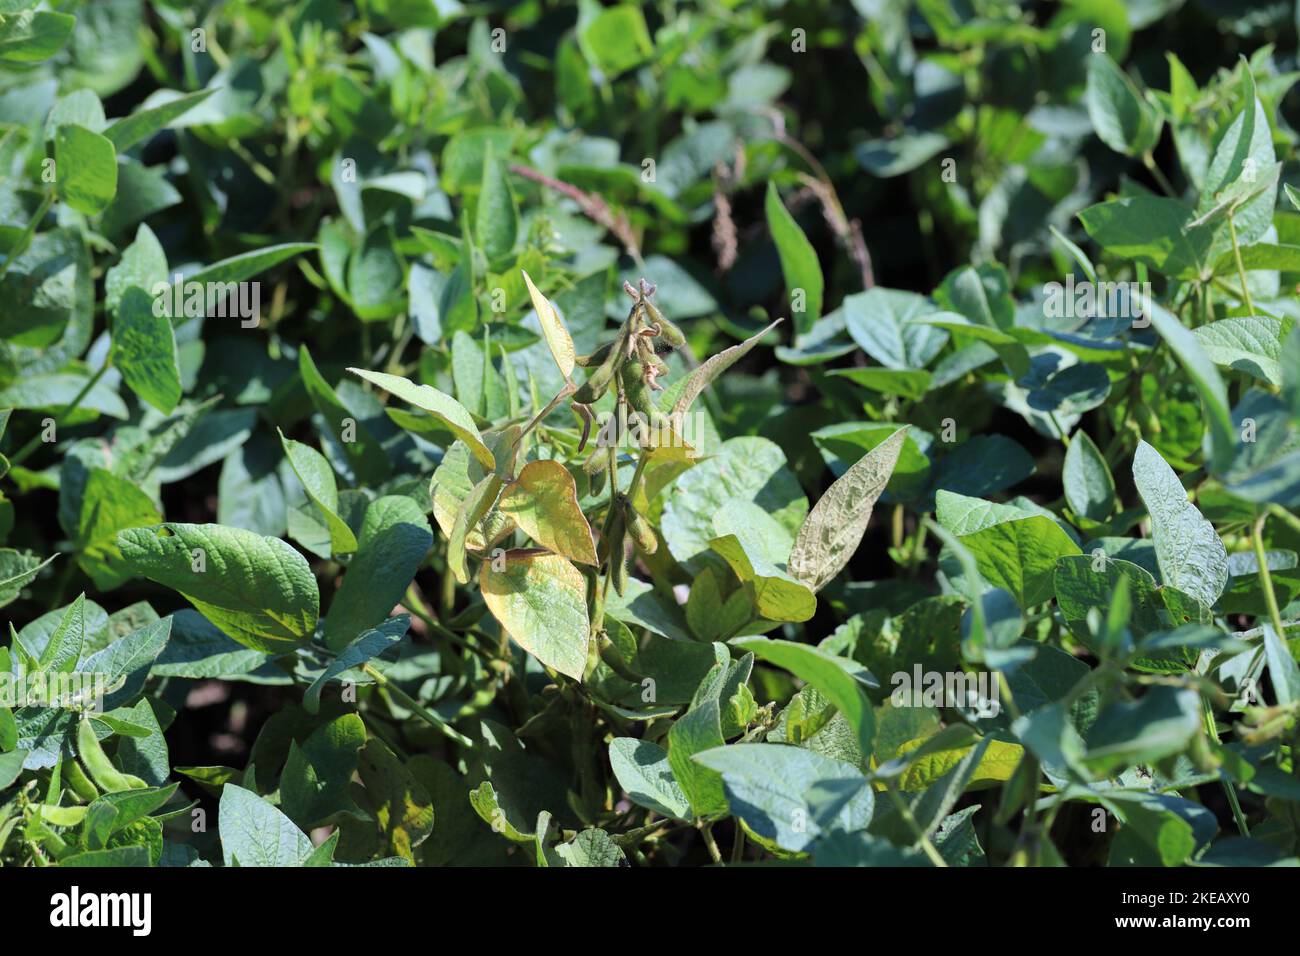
(551, 434)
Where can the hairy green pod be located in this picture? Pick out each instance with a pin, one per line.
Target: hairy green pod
(598, 382)
(597, 462)
(639, 394)
(669, 332)
(614, 660)
(618, 567)
(593, 359)
(643, 535)
(101, 769)
(78, 782)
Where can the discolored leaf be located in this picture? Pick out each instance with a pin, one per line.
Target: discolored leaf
(540, 600)
(543, 502)
(833, 529)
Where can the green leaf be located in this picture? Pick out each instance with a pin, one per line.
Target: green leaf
(833, 529)
(1200, 369)
(376, 277)
(11, 765)
(615, 39)
(1119, 114)
(1160, 724)
(591, 847)
(254, 833)
(1242, 159)
(480, 388)
(543, 502)
(1009, 349)
(1155, 231)
(497, 217)
(1248, 343)
(249, 264)
(17, 570)
(397, 802)
(259, 591)
(116, 858)
(643, 771)
(463, 156)
(53, 392)
(775, 789)
(394, 539)
(369, 645)
(540, 599)
(756, 547)
(1192, 558)
(109, 504)
(1263, 256)
(313, 787)
(841, 681)
(441, 406)
(748, 468)
(1282, 669)
(317, 478)
(143, 264)
(901, 154)
(803, 273)
(87, 169)
(30, 36)
(1020, 556)
(884, 323)
(1085, 582)
(1089, 487)
(126, 132)
(911, 384)
(144, 351)
(63, 649)
(963, 515)
(364, 452)
(699, 729)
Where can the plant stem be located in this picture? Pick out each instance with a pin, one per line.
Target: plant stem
(20, 246)
(1065, 439)
(1150, 163)
(413, 705)
(1241, 268)
(412, 604)
(1265, 577)
(26, 451)
(706, 831)
(1287, 518)
(1229, 790)
(906, 813)
(738, 847)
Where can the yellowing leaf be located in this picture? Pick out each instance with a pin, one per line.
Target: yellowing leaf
(541, 601)
(543, 501)
(997, 765)
(557, 336)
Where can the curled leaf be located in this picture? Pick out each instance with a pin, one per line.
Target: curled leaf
(472, 510)
(714, 366)
(557, 336)
(438, 404)
(543, 501)
(834, 528)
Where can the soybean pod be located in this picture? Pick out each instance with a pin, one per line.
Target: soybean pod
(101, 769)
